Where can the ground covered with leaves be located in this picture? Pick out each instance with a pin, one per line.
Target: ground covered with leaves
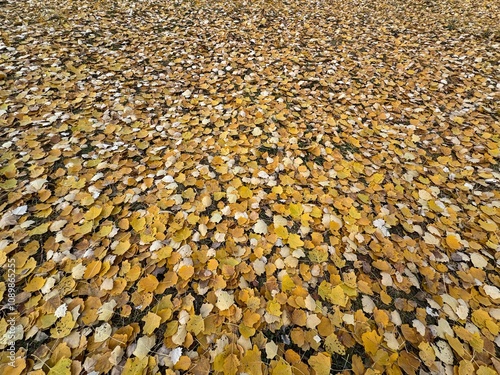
(259, 187)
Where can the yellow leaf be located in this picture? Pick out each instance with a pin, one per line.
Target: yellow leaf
(281, 368)
(182, 234)
(193, 219)
(489, 210)
(41, 229)
(94, 212)
(246, 331)
(280, 116)
(152, 321)
(86, 200)
(489, 226)
(465, 368)
(148, 284)
(281, 232)
(17, 368)
(9, 184)
(105, 230)
(377, 178)
(85, 228)
(324, 289)
(434, 207)
(36, 283)
(364, 198)
(287, 283)
(335, 223)
(381, 317)
(296, 210)
(333, 345)
(231, 364)
(9, 171)
(64, 327)
(456, 344)
(122, 247)
(350, 279)
(164, 253)
(135, 366)
(453, 242)
(274, 308)
(321, 363)
(185, 272)
(485, 370)
(371, 341)
(337, 296)
(245, 192)
(318, 255)
(138, 224)
(358, 167)
(196, 324)
(427, 354)
(62, 367)
(494, 152)
(476, 342)
(46, 321)
(479, 316)
(294, 241)
(252, 364)
(92, 269)
(250, 318)
(316, 213)
(218, 364)
(353, 212)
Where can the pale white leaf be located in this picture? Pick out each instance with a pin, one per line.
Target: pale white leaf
(103, 332)
(144, 345)
(224, 300)
(492, 291)
(444, 352)
(260, 227)
(368, 304)
(478, 260)
(175, 355)
(271, 350)
(61, 310)
(21, 210)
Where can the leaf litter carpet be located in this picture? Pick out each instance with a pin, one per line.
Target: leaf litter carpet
(250, 187)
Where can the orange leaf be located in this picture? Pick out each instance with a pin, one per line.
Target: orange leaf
(453, 242)
(148, 283)
(185, 272)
